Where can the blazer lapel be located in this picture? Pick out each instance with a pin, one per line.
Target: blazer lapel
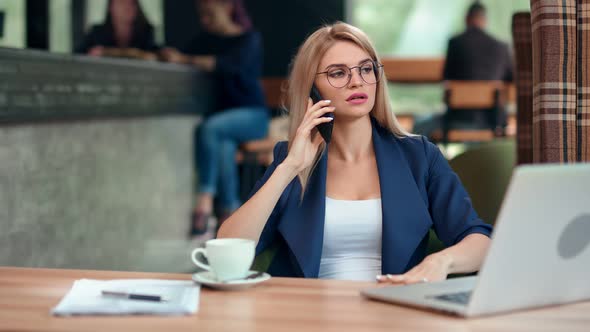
(303, 224)
(405, 214)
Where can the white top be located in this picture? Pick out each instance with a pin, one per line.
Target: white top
(352, 240)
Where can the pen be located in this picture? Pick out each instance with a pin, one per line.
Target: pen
(132, 296)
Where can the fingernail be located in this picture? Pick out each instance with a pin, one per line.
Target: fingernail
(380, 277)
(327, 101)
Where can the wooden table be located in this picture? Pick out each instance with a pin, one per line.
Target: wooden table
(280, 304)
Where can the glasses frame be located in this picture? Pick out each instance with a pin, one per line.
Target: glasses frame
(376, 69)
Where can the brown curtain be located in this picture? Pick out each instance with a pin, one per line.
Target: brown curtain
(583, 114)
(560, 80)
(521, 35)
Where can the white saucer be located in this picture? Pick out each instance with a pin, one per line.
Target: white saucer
(208, 279)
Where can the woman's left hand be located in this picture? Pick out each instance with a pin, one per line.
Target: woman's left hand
(435, 267)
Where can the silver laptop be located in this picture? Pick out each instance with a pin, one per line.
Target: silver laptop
(539, 255)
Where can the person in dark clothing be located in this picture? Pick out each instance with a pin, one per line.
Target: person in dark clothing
(231, 50)
(125, 33)
(473, 55)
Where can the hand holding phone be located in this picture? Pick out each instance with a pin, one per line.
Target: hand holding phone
(325, 128)
(305, 146)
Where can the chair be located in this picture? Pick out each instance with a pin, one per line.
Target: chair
(406, 121)
(485, 171)
(263, 260)
(476, 96)
(413, 70)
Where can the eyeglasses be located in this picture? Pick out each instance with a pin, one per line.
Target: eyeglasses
(339, 76)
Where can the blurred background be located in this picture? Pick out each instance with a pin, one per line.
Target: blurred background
(99, 146)
(404, 28)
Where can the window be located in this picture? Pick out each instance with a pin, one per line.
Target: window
(419, 28)
(14, 24)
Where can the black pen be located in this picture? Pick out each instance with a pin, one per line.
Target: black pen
(133, 296)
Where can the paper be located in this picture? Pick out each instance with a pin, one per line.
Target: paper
(85, 297)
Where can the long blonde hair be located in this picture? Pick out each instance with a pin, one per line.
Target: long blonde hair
(303, 72)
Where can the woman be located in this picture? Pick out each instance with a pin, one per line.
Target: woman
(232, 51)
(125, 33)
(362, 206)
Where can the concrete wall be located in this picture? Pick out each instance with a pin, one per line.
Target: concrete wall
(100, 194)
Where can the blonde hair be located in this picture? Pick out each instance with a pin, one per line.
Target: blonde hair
(303, 72)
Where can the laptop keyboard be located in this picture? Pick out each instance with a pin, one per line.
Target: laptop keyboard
(461, 298)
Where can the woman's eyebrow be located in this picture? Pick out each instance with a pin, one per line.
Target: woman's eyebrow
(342, 64)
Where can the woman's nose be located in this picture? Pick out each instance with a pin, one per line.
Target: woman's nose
(355, 78)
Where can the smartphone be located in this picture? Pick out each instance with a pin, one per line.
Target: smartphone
(325, 128)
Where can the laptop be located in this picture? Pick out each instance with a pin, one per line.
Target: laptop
(539, 253)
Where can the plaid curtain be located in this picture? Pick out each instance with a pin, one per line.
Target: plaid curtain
(561, 118)
(583, 115)
(521, 35)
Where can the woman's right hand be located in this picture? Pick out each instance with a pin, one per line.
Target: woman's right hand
(307, 139)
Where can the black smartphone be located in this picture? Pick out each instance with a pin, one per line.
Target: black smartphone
(325, 128)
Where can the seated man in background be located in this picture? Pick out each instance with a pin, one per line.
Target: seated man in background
(473, 55)
(125, 33)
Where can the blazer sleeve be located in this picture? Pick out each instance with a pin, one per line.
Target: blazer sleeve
(450, 206)
(269, 231)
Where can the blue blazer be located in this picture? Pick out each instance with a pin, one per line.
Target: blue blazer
(419, 191)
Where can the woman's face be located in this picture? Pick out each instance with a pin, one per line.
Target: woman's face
(355, 99)
(214, 14)
(123, 11)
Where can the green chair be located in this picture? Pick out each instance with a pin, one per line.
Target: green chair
(485, 172)
(263, 260)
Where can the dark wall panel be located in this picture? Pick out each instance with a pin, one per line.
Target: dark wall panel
(1, 24)
(180, 22)
(38, 24)
(285, 25)
(78, 15)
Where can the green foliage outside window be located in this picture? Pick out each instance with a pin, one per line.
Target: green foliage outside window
(421, 28)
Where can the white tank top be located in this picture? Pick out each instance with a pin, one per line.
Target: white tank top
(352, 240)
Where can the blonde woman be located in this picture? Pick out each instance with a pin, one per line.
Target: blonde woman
(360, 207)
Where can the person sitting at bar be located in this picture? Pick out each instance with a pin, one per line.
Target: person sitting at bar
(361, 206)
(473, 55)
(231, 49)
(125, 33)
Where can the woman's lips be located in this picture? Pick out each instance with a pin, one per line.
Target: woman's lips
(357, 98)
(357, 101)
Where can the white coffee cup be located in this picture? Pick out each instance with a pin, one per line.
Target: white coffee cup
(228, 258)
